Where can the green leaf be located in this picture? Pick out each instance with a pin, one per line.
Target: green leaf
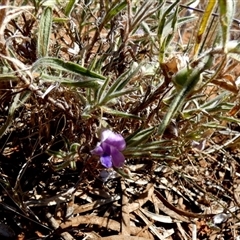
(117, 86)
(101, 91)
(181, 77)
(138, 153)
(114, 11)
(49, 3)
(188, 86)
(115, 95)
(69, 7)
(164, 27)
(229, 119)
(18, 101)
(173, 26)
(122, 172)
(139, 137)
(59, 64)
(146, 9)
(233, 47)
(44, 32)
(82, 84)
(227, 10)
(92, 83)
(8, 77)
(119, 113)
(74, 147)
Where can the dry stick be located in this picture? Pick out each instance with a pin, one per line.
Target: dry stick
(142, 199)
(182, 231)
(234, 176)
(117, 237)
(55, 225)
(170, 213)
(125, 224)
(93, 205)
(179, 211)
(102, 222)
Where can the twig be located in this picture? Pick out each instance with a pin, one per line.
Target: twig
(125, 224)
(103, 222)
(55, 225)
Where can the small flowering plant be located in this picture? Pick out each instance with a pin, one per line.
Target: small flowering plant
(109, 149)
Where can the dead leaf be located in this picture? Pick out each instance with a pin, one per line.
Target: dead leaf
(102, 222)
(234, 110)
(117, 237)
(226, 82)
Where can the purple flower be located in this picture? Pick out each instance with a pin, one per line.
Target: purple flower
(109, 149)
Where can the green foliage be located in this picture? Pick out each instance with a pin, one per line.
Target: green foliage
(106, 71)
(18, 101)
(69, 67)
(44, 32)
(227, 11)
(106, 95)
(166, 26)
(62, 159)
(69, 8)
(191, 79)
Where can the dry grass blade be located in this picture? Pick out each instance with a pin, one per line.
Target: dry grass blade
(96, 204)
(170, 212)
(151, 226)
(8, 13)
(17, 102)
(157, 217)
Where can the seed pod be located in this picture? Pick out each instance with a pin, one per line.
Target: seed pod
(181, 77)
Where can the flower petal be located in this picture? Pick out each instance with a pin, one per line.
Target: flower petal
(98, 150)
(106, 161)
(113, 139)
(106, 148)
(105, 134)
(117, 157)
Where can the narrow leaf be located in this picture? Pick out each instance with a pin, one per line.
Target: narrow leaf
(227, 10)
(188, 86)
(114, 11)
(18, 101)
(117, 86)
(116, 95)
(69, 7)
(92, 83)
(140, 136)
(203, 25)
(164, 20)
(59, 64)
(119, 113)
(44, 32)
